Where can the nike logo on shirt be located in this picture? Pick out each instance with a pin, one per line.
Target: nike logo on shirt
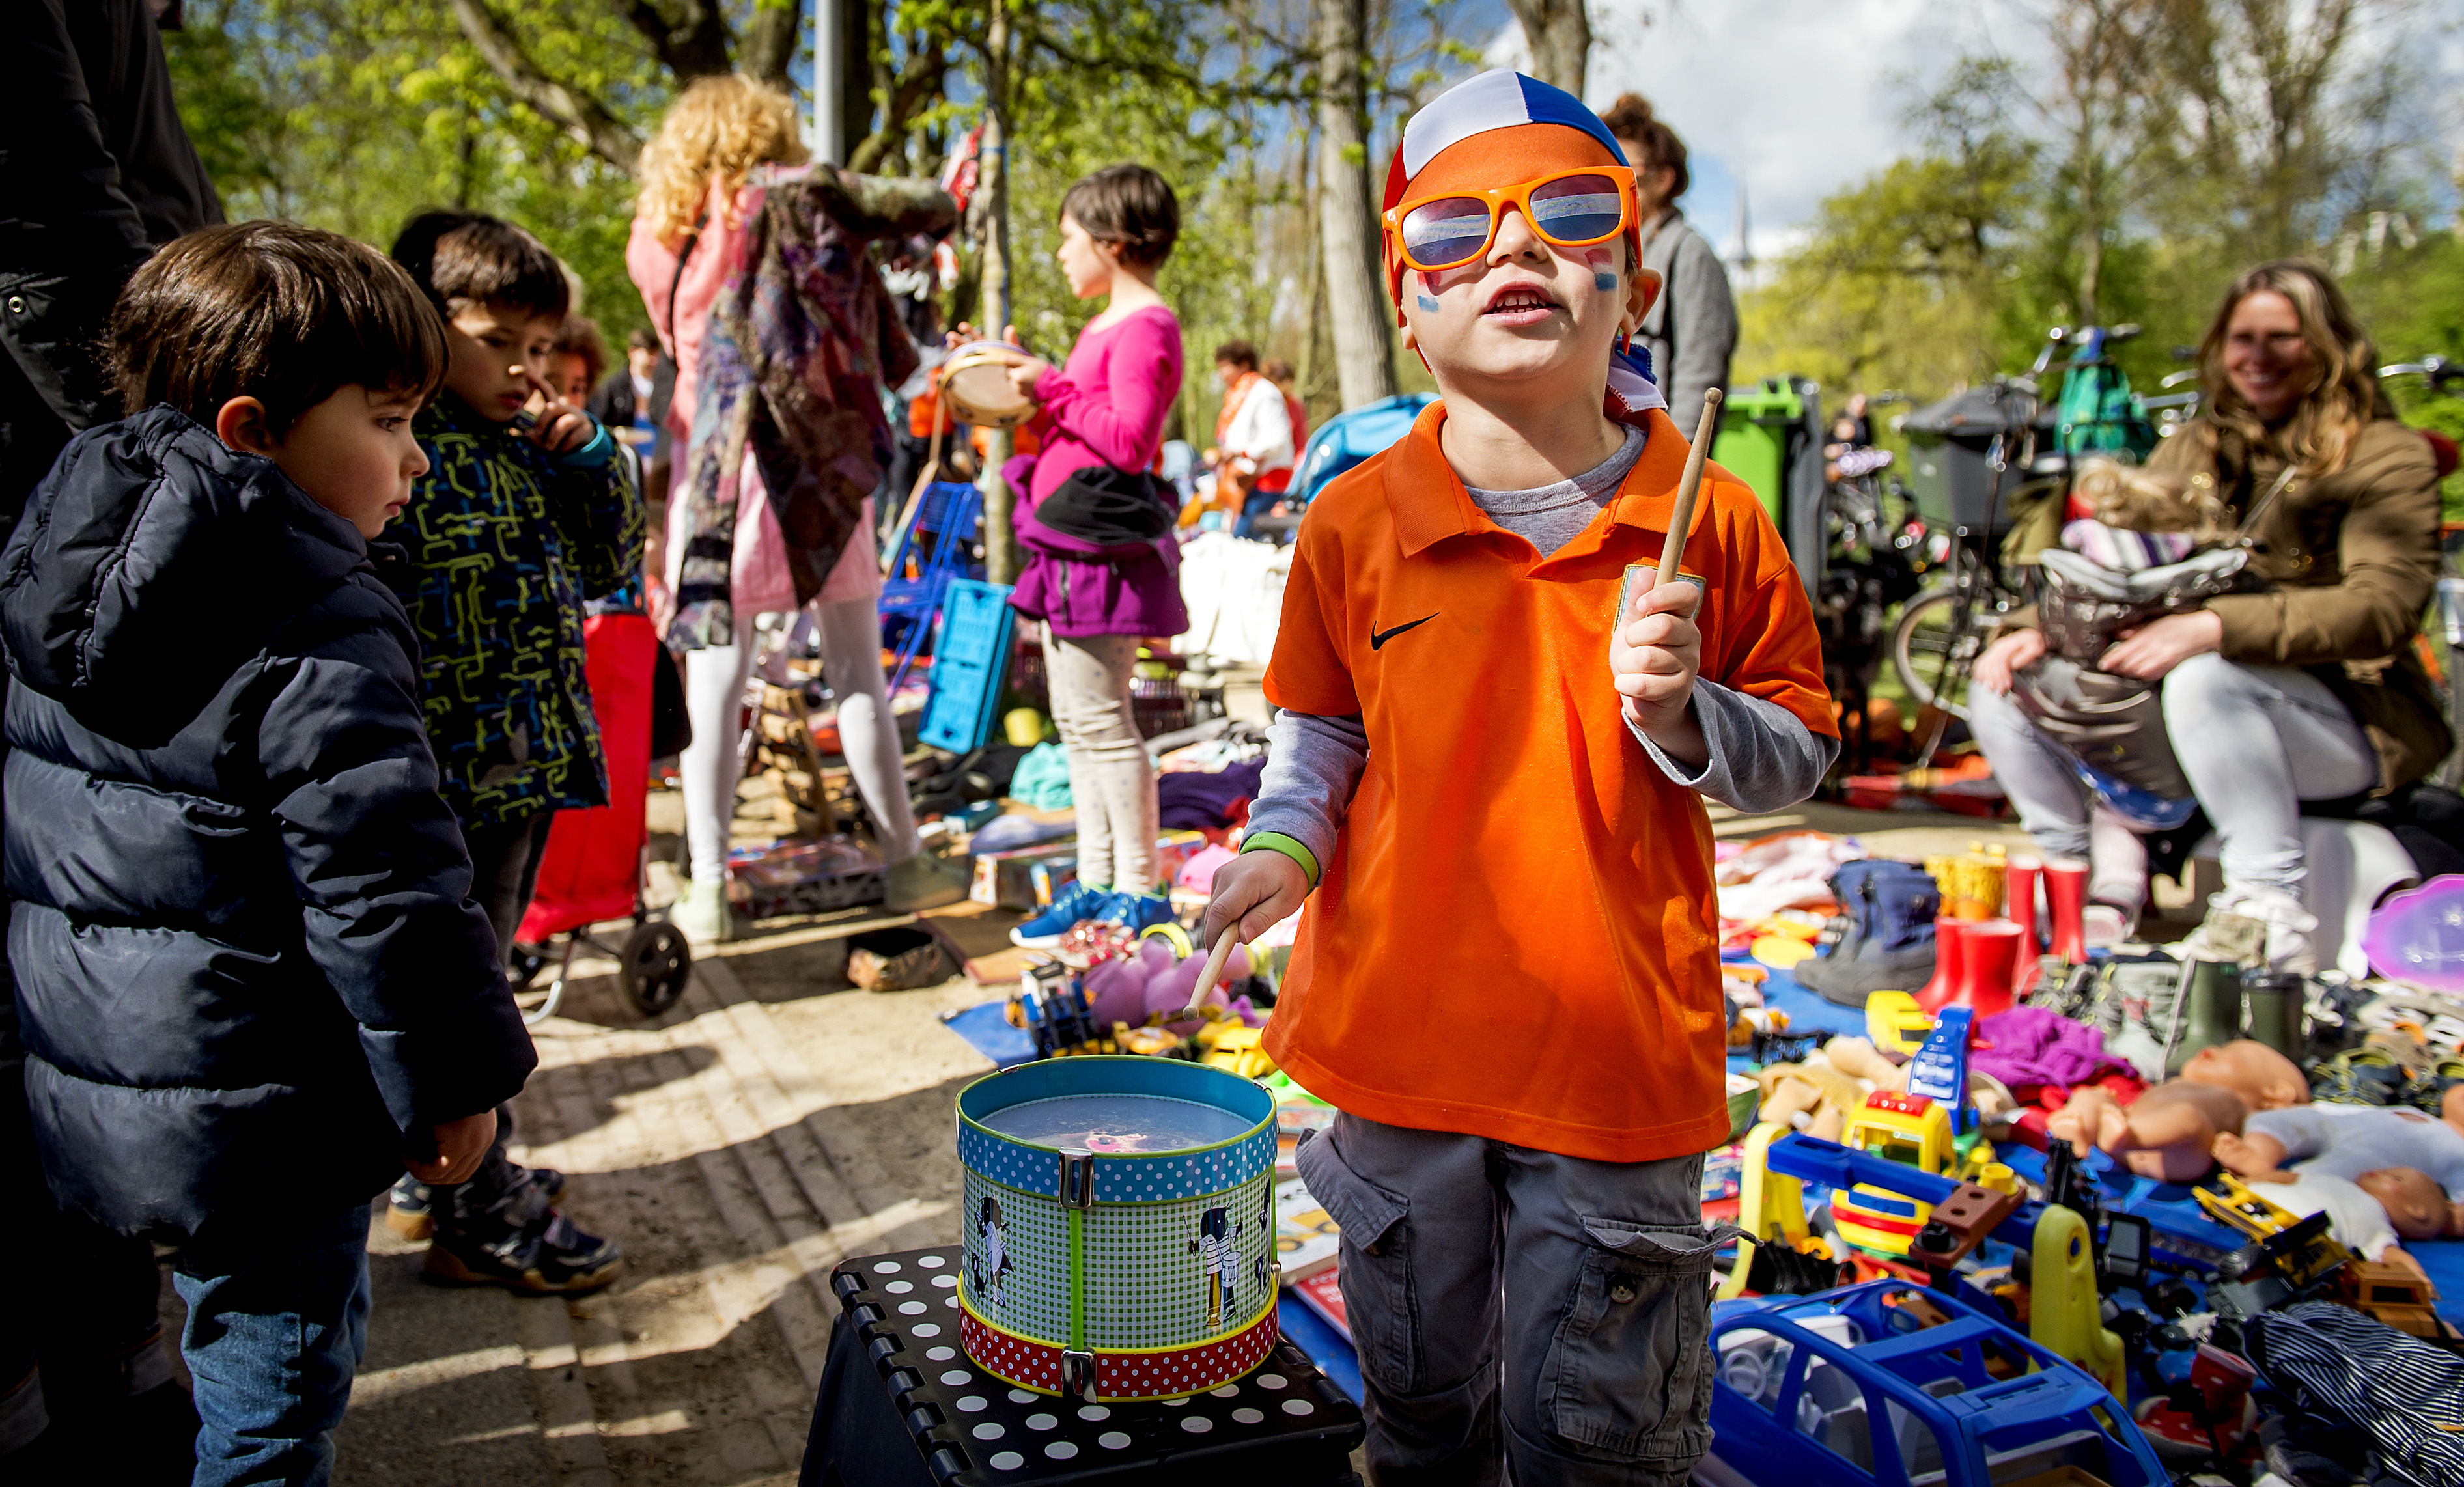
(1378, 639)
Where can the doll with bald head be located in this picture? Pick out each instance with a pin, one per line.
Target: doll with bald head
(2169, 1133)
(2264, 1079)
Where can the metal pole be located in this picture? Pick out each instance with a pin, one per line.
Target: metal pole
(830, 76)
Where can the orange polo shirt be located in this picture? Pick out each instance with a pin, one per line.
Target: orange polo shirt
(1517, 936)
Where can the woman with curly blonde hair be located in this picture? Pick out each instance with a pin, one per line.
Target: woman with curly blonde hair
(758, 278)
(694, 173)
(2303, 688)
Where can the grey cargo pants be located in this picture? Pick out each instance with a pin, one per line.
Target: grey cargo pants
(1482, 1279)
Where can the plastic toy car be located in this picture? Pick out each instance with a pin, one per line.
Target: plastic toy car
(1889, 1384)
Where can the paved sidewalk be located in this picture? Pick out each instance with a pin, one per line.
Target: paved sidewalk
(774, 1122)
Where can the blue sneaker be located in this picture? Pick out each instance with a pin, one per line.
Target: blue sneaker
(1077, 901)
(1137, 910)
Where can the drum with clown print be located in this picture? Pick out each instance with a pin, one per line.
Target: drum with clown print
(1119, 1223)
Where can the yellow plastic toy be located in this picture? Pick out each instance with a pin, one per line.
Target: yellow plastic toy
(2064, 1307)
(1895, 1024)
(1770, 1209)
(1915, 1132)
(1234, 1049)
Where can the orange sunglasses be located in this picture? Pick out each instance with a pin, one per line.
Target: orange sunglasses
(1568, 208)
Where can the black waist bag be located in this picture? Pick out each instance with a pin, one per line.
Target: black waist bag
(1114, 509)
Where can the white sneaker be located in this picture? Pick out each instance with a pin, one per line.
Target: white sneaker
(2288, 924)
(703, 913)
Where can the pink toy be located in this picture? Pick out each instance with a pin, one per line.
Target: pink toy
(1169, 991)
(1116, 991)
(2418, 936)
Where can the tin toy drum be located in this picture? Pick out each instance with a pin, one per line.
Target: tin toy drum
(975, 383)
(1120, 1227)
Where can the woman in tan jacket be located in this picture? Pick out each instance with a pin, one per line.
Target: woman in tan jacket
(2307, 688)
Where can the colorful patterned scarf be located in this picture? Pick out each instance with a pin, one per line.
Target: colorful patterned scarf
(801, 342)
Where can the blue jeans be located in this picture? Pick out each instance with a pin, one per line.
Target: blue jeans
(277, 1322)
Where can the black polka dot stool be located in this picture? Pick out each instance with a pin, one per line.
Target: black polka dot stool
(901, 1404)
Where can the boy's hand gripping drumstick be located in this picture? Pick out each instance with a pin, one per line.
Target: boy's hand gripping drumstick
(1226, 943)
(1672, 551)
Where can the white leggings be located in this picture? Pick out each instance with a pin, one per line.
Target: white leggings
(1111, 780)
(2253, 741)
(714, 678)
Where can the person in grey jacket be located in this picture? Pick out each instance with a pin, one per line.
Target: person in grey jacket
(1691, 331)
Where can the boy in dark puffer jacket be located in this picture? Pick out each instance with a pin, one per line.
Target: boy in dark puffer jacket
(252, 979)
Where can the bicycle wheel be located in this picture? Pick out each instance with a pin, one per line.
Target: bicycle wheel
(1932, 651)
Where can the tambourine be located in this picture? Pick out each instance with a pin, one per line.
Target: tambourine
(976, 389)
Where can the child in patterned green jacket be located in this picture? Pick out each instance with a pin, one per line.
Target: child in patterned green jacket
(519, 520)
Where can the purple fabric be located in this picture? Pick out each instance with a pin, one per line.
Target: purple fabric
(1107, 406)
(2035, 1047)
(1196, 801)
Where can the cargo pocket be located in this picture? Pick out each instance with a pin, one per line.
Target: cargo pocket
(1377, 1264)
(1629, 1373)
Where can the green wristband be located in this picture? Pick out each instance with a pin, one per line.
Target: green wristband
(1277, 841)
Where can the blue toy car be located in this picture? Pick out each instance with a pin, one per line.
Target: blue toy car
(1890, 1384)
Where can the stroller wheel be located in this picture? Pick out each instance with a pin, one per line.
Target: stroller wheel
(523, 963)
(654, 967)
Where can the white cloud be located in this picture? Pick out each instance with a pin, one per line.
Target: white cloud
(1795, 97)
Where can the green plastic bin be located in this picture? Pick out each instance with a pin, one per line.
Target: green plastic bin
(1755, 421)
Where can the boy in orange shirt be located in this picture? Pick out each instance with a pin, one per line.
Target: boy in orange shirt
(1489, 778)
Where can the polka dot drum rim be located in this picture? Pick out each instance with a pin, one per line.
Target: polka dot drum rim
(1120, 1176)
(1122, 1377)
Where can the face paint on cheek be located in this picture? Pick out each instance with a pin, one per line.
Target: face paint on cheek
(1604, 277)
(1428, 306)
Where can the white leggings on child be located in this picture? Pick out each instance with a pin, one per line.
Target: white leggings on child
(1111, 780)
(714, 678)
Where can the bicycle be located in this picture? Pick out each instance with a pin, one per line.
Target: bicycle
(1942, 631)
(1866, 567)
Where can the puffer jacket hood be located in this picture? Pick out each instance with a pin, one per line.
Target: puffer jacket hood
(152, 529)
(250, 977)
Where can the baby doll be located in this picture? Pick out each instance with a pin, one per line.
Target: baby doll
(2415, 1204)
(2346, 1142)
(2357, 1217)
(2264, 1079)
(2169, 1133)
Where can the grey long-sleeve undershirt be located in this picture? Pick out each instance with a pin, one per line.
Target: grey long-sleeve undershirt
(1761, 756)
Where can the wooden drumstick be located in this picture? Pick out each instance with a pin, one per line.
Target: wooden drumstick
(1673, 550)
(1226, 943)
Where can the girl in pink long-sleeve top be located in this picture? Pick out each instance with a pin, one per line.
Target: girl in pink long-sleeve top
(1106, 405)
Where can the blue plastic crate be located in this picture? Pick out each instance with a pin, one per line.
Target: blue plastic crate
(970, 663)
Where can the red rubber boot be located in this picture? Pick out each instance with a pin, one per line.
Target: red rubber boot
(1992, 959)
(2020, 900)
(2019, 897)
(1949, 963)
(2066, 895)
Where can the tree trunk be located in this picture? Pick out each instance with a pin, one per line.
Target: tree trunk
(1559, 35)
(992, 297)
(769, 43)
(1355, 291)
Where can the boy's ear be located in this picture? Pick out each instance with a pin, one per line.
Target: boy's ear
(1641, 293)
(242, 424)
